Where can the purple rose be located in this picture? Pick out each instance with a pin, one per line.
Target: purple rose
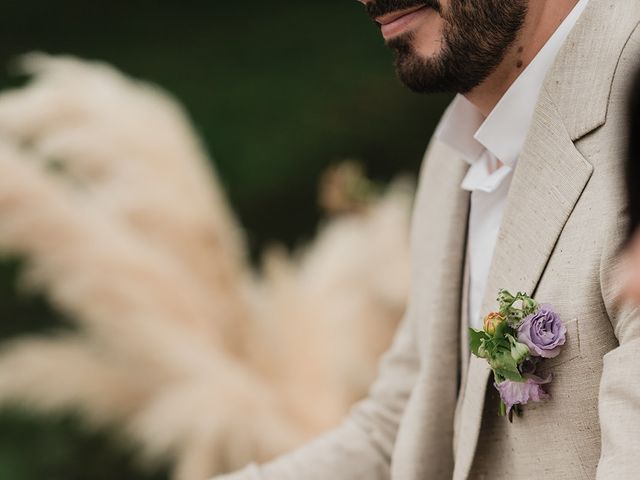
(543, 332)
(521, 393)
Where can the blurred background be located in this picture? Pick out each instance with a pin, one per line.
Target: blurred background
(278, 92)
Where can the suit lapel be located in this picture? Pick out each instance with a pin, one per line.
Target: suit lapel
(550, 177)
(547, 183)
(439, 234)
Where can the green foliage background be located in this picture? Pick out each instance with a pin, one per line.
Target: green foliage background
(278, 90)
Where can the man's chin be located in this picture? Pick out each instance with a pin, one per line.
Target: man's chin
(437, 74)
(417, 74)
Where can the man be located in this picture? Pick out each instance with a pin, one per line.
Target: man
(523, 189)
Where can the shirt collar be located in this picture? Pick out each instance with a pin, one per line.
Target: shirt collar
(504, 132)
(458, 127)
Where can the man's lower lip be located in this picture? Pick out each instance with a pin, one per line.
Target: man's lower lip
(400, 25)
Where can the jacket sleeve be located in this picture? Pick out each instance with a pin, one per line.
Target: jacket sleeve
(361, 447)
(619, 398)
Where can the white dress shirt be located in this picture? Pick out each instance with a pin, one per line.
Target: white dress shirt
(492, 147)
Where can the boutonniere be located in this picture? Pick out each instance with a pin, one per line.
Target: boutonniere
(515, 339)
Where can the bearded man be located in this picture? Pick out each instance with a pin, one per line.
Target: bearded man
(522, 189)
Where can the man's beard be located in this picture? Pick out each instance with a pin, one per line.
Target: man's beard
(476, 37)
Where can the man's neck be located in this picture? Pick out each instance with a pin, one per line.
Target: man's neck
(543, 19)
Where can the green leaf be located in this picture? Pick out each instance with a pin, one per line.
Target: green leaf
(501, 330)
(504, 365)
(513, 375)
(529, 306)
(515, 314)
(477, 341)
(519, 351)
(505, 300)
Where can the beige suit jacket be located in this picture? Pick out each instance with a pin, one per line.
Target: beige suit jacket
(563, 225)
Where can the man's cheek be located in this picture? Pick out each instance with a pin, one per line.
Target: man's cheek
(428, 37)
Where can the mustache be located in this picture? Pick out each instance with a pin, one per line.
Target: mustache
(382, 7)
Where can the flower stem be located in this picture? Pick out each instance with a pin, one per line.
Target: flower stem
(503, 409)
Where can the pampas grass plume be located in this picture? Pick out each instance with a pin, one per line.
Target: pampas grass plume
(180, 344)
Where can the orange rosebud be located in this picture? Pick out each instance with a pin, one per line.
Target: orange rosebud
(492, 321)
